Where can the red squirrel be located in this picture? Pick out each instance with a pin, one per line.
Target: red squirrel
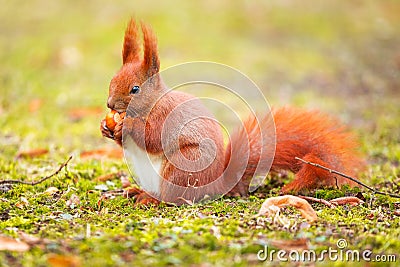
(309, 135)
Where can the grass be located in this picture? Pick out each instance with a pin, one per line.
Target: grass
(340, 57)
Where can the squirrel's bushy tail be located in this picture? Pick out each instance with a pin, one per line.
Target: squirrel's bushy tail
(309, 135)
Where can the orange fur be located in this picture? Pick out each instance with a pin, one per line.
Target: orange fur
(130, 51)
(151, 62)
(318, 138)
(310, 135)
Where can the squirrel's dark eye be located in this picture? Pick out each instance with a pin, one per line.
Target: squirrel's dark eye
(135, 89)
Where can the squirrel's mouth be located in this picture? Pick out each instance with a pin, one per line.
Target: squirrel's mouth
(120, 110)
(120, 107)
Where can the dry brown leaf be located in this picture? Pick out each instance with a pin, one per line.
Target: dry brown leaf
(63, 260)
(353, 201)
(115, 153)
(51, 190)
(33, 153)
(271, 204)
(10, 244)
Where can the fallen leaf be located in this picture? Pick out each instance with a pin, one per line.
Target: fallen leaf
(353, 201)
(77, 114)
(115, 153)
(51, 190)
(10, 244)
(33, 153)
(272, 204)
(63, 260)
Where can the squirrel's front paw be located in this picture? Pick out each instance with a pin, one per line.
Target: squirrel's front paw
(141, 197)
(105, 131)
(111, 126)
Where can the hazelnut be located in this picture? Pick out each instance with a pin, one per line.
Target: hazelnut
(112, 118)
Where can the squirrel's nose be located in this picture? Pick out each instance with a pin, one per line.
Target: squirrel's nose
(110, 103)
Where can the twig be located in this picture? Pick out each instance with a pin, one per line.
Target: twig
(39, 181)
(353, 201)
(349, 177)
(318, 200)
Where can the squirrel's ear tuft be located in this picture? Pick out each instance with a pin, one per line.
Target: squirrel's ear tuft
(151, 62)
(130, 51)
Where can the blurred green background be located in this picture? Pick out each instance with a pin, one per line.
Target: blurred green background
(339, 56)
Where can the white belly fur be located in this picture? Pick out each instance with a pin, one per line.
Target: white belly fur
(147, 167)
